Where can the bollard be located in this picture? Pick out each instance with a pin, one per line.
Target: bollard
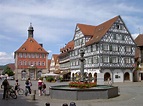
(72, 104)
(65, 104)
(33, 97)
(47, 104)
(34, 92)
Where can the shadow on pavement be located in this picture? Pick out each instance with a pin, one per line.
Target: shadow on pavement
(21, 100)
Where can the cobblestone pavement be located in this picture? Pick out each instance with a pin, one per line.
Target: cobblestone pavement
(130, 94)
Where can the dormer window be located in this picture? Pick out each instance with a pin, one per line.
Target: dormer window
(23, 48)
(40, 49)
(31, 40)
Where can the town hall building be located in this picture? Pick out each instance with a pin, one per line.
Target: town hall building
(31, 59)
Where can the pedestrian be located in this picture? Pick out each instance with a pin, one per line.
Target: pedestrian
(28, 85)
(40, 83)
(16, 85)
(5, 84)
(109, 81)
(44, 88)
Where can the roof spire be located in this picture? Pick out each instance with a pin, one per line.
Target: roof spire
(30, 31)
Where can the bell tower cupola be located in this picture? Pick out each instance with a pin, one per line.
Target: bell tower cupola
(30, 31)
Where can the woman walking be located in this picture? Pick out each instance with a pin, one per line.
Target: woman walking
(40, 83)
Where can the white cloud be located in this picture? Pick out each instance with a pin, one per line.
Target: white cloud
(6, 58)
(54, 21)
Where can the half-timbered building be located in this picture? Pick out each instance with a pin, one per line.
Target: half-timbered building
(109, 49)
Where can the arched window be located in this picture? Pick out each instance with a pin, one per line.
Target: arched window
(23, 75)
(39, 74)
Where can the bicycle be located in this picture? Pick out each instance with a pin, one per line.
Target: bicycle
(11, 93)
(27, 91)
(20, 91)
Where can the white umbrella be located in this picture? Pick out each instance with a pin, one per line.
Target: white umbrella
(49, 74)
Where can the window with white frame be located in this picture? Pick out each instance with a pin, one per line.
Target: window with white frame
(105, 59)
(39, 63)
(119, 37)
(77, 62)
(94, 47)
(133, 60)
(43, 63)
(20, 55)
(127, 60)
(89, 49)
(90, 60)
(128, 49)
(114, 59)
(76, 52)
(105, 47)
(114, 48)
(43, 55)
(24, 55)
(20, 63)
(74, 62)
(114, 36)
(95, 59)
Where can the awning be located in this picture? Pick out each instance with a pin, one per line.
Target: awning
(64, 72)
(57, 72)
(49, 74)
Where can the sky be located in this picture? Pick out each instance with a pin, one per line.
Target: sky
(54, 21)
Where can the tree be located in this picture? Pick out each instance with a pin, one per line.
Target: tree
(8, 71)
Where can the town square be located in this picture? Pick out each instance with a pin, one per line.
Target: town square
(71, 53)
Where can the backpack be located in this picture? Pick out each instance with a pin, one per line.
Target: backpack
(44, 86)
(27, 82)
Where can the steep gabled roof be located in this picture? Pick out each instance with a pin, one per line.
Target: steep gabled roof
(68, 46)
(55, 56)
(139, 40)
(87, 29)
(101, 30)
(32, 46)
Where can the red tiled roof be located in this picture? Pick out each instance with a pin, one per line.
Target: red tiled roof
(69, 46)
(101, 30)
(31, 45)
(87, 29)
(55, 56)
(139, 42)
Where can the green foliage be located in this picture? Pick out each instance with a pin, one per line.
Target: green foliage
(8, 71)
(49, 78)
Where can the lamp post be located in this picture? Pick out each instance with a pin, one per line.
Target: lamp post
(82, 65)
